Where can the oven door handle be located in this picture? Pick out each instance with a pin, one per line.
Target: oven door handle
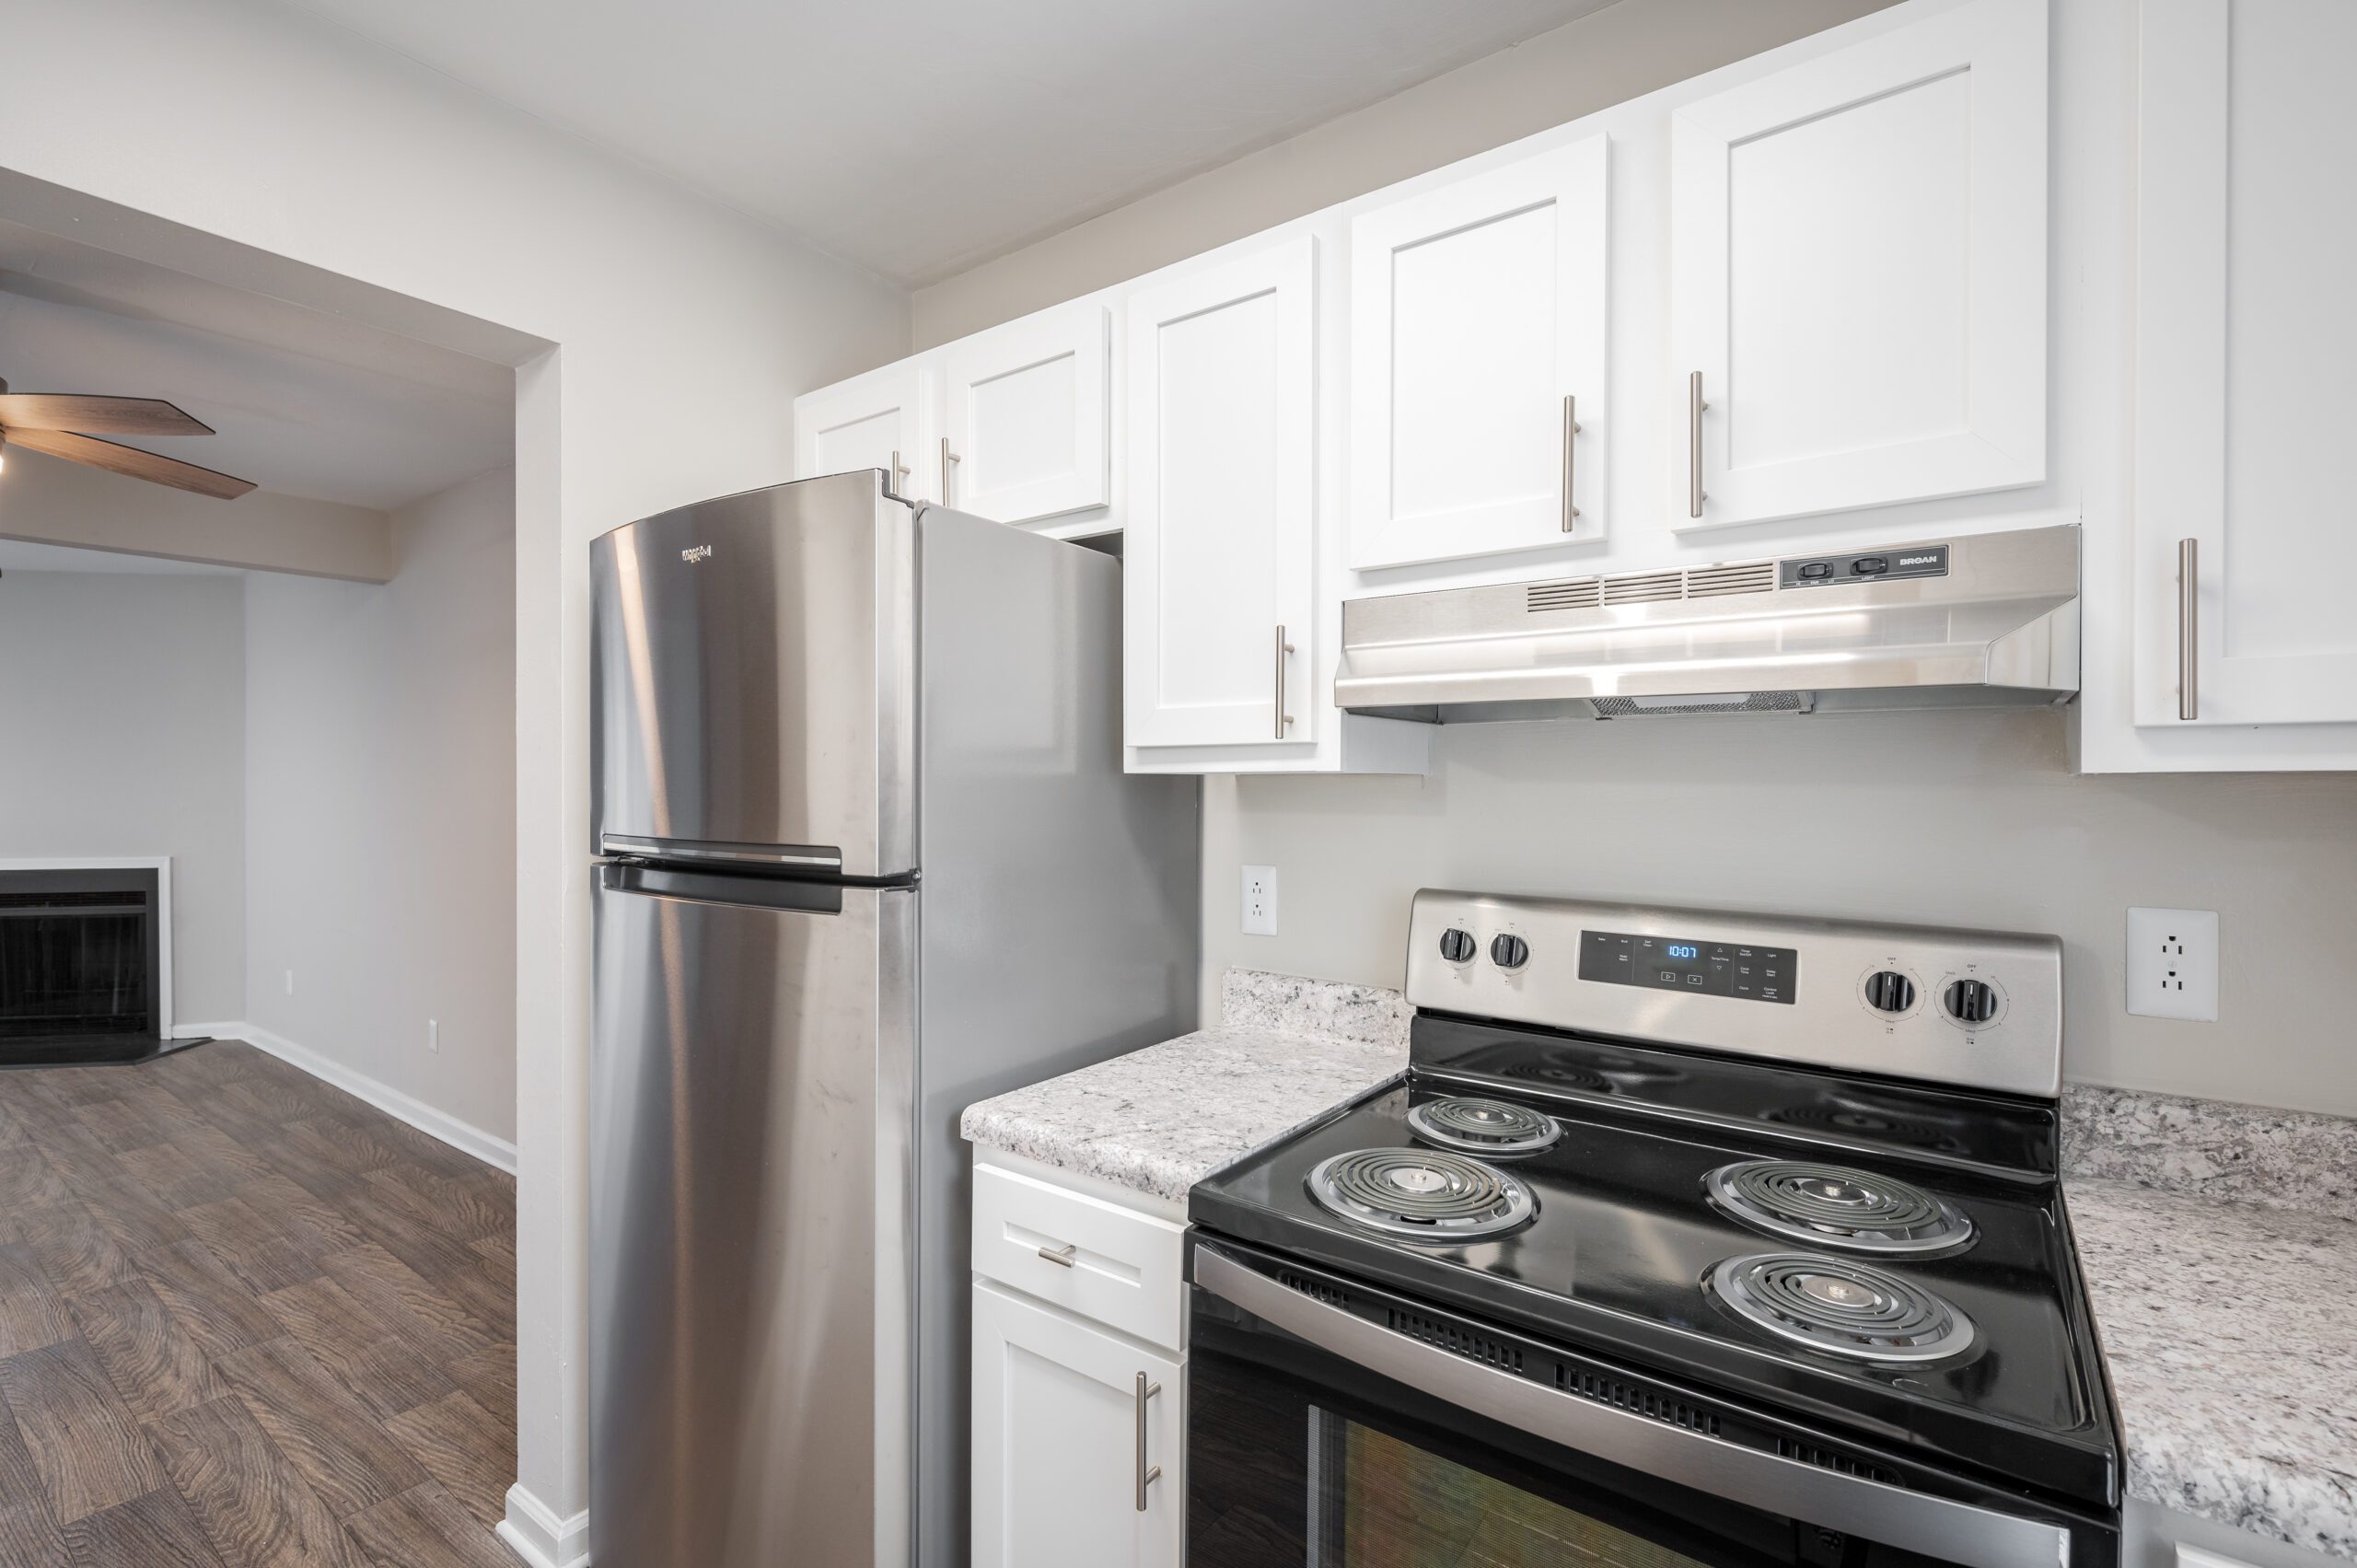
(1935, 1527)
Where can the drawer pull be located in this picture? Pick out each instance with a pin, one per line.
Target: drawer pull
(1061, 1256)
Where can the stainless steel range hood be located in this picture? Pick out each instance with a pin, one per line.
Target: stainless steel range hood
(1977, 620)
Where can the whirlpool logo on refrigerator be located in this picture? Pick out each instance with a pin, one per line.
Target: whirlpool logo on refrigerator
(696, 552)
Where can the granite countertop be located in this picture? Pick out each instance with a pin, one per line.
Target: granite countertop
(2226, 1329)
(2219, 1241)
(1160, 1120)
(2219, 1244)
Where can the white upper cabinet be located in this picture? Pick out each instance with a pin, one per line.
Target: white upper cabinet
(1478, 340)
(1026, 417)
(1858, 275)
(1219, 540)
(2246, 336)
(882, 420)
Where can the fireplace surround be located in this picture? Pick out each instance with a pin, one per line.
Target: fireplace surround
(85, 960)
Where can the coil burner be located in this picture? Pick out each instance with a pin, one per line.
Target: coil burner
(1836, 1205)
(1421, 1195)
(1483, 1126)
(1841, 1308)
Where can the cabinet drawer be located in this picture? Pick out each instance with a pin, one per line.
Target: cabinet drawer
(1120, 1267)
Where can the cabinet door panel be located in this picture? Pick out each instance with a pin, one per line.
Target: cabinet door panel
(1026, 417)
(1056, 1456)
(881, 420)
(1220, 532)
(2246, 329)
(1858, 271)
(1476, 310)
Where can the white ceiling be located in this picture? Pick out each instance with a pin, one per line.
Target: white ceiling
(921, 136)
(305, 403)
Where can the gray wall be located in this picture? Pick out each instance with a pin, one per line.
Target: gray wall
(1952, 818)
(1960, 819)
(122, 733)
(380, 809)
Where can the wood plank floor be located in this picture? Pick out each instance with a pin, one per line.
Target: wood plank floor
(247, 1321)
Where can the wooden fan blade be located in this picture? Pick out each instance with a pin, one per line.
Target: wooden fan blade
(130, 460)
(94, 415)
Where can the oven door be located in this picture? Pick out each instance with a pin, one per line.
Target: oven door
(1319, 1435)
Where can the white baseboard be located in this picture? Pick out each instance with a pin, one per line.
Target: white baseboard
(458, 1134)
(535, 1534)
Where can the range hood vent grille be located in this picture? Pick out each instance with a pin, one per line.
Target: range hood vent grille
(1651, 587)
(1743, 578)
(1572, 593)
(1643, 587)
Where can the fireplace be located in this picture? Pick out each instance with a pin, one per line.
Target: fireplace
(81, 964)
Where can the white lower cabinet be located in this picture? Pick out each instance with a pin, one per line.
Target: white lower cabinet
(1079, 1442)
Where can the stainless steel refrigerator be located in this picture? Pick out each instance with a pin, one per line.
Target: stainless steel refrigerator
(864, 855)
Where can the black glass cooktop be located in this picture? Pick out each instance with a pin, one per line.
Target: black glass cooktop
(1621, 1248)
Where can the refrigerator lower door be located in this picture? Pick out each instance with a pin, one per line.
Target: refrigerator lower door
(749, 1151)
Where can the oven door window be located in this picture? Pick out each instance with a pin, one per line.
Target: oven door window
(1378, 1501)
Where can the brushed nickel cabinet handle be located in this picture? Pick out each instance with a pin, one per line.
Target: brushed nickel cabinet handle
(2188, 629)
(1571, 428)
(1145, 1477)
(900, 470)
(1061, 1256)
(1284, 718)
(1695, 407)
(948, 457)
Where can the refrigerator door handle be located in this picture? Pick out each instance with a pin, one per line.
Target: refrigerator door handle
(804, 857)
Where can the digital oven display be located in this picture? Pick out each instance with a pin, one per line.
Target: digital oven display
(1674, 963)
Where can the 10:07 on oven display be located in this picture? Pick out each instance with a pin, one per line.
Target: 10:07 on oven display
(1735, 969)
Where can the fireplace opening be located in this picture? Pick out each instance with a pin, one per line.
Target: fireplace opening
(80, 966)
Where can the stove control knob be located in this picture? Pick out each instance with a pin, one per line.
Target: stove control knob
(1888, 991)
(1456, 945)
(1971, 1001)
(1509, 952)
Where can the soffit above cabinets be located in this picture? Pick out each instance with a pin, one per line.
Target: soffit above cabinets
(922, 137)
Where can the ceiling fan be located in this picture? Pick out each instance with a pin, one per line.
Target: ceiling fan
(60, 424)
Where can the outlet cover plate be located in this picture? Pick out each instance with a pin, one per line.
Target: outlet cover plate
(2173, 964)
(1260, 900)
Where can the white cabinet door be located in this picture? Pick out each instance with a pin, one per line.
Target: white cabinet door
(881, 420)
(1858, 275)
(1026, 417)
(2246, 336)
(1060, 1455)
(1477, 339)
(1219, 540)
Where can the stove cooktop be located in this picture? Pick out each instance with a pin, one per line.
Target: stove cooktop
(1888, 1259)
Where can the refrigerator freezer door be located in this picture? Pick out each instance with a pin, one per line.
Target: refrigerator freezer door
(753, 667)
(751, 1111)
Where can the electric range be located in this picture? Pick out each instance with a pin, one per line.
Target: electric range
(1688, 1236)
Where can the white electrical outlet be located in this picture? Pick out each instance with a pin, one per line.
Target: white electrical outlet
(290, 983)
(433, 1036)
(2172, 963)
(1260, 900)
